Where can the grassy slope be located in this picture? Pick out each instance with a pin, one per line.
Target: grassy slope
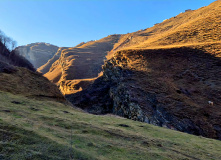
(33, 129)
(23, 81)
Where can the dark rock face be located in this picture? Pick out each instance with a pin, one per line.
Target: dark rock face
(131, 101)
(95, 99)
(116, 93)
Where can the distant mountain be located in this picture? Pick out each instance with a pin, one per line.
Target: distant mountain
(37, 53)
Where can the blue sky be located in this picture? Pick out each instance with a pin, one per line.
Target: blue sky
(66, 23)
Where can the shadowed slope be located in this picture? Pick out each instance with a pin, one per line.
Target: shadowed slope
(12, 58)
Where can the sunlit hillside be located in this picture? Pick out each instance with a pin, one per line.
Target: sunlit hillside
(46, 67)
(81, 62)
(190, 27)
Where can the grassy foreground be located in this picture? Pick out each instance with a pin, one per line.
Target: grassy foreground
(33, 129)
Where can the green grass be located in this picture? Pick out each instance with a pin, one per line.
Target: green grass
(36, 129)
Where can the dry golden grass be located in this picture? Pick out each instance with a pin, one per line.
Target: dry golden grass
(191, 27)
(46, 67)
(74, 86)
(81, 62)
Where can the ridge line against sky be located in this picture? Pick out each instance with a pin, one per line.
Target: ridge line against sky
(66, 23)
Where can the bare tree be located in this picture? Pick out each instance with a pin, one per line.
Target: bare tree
(13, 45)
(8, 42)
(7, 46)
(1, 36)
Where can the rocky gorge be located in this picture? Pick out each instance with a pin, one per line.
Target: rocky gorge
(152, 86)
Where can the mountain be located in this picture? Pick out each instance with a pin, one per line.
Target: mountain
(37, 123)
(78, 66)
(37, 53)
(73, 73)
(166, 75)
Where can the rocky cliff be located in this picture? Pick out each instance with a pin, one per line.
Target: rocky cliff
(37, 53)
